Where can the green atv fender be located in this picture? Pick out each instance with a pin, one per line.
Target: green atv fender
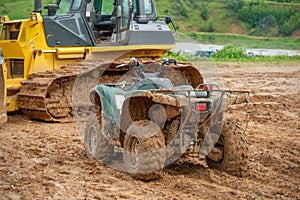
(117, 103)
(112, 99)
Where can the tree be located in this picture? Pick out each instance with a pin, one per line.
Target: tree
(286, 29)
(211, 27)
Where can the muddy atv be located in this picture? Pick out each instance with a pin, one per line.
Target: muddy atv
(153, 123)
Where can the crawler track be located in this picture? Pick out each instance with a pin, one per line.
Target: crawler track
(39, 97)
(48, 95)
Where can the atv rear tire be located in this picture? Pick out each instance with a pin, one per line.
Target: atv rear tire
(231, 151)
(144, 155)
(96, 144)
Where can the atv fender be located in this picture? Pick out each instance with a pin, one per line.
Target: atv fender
(108, 109)
(191, 74)
(148, 105)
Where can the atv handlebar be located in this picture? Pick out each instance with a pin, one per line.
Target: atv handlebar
(140, 66)
(166, 61)
(122, 84)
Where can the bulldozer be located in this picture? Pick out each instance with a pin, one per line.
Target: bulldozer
(44, 54)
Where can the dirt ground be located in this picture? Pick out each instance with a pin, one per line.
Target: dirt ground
(47, 160)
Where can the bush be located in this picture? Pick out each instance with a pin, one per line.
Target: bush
(234, 5)
(179, 56)
(286, 29)
(211, 27)
(184, 12)
(230, 52)
(204, 12)
(265, 20)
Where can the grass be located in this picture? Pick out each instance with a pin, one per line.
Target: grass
(186, 57)
(262, 59)
(294, 3)
(247, 41)
(19, 9)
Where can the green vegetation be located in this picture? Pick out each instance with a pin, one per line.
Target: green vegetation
(247, 41)
(179, 56)
(237, 22)
(287, 1)
(235, 53)
(253, 17)
(225, 22)
(19, 9)
(260, 59)
(230, 53)
(263, 19)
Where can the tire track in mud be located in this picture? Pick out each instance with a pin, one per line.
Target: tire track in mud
(274, 126)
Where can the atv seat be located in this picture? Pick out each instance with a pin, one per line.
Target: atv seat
(151, 75)
(197, 94)
(161, 83)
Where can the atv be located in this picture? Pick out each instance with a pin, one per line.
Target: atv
(151, 123)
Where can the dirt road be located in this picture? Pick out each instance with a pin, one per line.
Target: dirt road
(47, 160)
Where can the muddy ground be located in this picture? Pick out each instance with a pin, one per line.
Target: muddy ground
(47, 160)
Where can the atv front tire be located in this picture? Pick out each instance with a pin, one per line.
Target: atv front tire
(144, 155)
(230, 153)
(96, 144)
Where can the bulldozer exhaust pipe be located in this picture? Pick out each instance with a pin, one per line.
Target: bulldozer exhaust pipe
(37, 6)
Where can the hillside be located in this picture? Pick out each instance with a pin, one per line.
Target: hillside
(201, 16)
(205, 20)
(259, 18)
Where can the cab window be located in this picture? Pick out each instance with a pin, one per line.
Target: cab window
(107, 7)
(64, 6)
(76, 4)
(125, 14)
(148, 7)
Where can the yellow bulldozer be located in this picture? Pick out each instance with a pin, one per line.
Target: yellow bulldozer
(42, 54)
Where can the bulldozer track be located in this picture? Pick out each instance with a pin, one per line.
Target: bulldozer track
(37, 97)
(47, 95)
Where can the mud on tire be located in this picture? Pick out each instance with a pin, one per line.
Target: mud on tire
(144, 155)
(96, 144)
(230, 153)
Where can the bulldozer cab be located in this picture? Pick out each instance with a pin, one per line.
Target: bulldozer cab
(104, 22)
